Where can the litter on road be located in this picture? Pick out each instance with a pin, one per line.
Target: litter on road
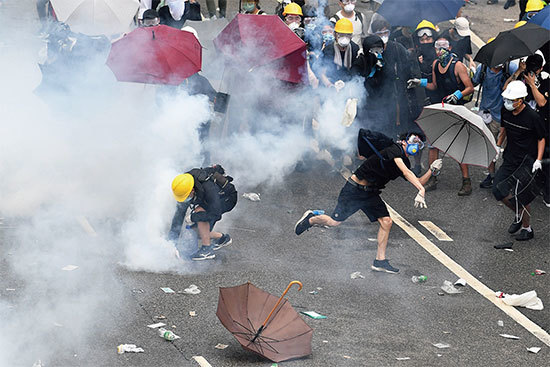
(167, 334)
(167, 290)
(192, 289)
(500, 323)
(508, 336)
(221, 346)
(504, 246)
(157, 325)
(313, 315)
(508, 249)
(449, 288)
(161, 317)
(252, 196)
(357, 275)
(419, 278)
(441, 345)
(69, 267)
(534, 349)
(403, 358)
(538, 272)
(202, 361)
(129, 348)
(192, 313)
(527, 299)
(313, 292)
(461, 282)
(137, 290)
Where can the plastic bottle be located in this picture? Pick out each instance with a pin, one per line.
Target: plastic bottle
(318, 212)
(419, 278)
(187, 242)
(166, 334)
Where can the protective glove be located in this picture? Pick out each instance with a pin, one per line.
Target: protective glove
(453, 98)
(435, 167)
(499, 153)
(339, 85)
(419, 201)
(413, 83)
(536, 166)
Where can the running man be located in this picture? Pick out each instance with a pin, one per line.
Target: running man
(362, 192)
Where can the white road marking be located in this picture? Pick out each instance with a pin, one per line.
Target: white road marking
(481, 288)
(435, 230)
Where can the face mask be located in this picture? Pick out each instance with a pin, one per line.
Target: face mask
(344, 41)
(294, 25)
(249, 7)
(348, 8)
(509, 104)
(188, 200)
(444, 56)
(427, 50)
(328, 37)
(385, 39)
(310, 27)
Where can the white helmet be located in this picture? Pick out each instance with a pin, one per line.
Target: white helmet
(515, 90)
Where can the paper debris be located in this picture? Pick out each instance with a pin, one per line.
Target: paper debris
(161, 317)
(508, 249)
(534, 349)
(252, 196)
(192, 289)
(372, 239)
(325, 341)
(403, 358)
(509, 20)
(527, 299)
(539, 272)
(319, 288)
(137, 290)
(192, 313)
(500, 323)
(313, 315)
(449, 288)
(129, 348)
(346, 357)
(313, 292)
(441, 345)
(202, 361)
(221, 346)
(69, 267)
(357, 275)
(508, 336)
(158, 324)
(461, 282)
(167, 290)
(10, 289)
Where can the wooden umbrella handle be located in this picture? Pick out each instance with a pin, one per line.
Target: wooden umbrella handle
(280, 298)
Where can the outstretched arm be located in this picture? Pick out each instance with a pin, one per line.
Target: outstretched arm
(409, 176)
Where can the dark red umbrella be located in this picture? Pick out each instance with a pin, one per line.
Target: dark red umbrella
(251, 41)
(277, 335)
(156, 55)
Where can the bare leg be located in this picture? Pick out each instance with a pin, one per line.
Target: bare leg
(464, 170)
(383, 235)
(323, 220)
(215, 235)
(491, 168)
(204, 232)
(526, 219)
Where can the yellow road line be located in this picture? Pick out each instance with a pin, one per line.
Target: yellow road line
(481, 288)
(435, 230)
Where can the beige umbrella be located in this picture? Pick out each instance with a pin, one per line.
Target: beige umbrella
(94, 17)
(458, 132)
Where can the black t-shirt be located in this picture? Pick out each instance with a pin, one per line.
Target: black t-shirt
(460, 47)
(523, 132)
(372, 170)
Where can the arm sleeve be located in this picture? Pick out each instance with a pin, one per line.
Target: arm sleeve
(213, 207)
(539, 127)
(477, 75)
(177, 221)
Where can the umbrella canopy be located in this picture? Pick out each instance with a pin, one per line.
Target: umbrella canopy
(512, 44)
(251, 41)
(156, 55)
(411, 12)
(542, 18)
(96, 16)
(278, 335)
(458, 132)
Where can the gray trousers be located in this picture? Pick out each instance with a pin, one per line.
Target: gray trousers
(211, 5)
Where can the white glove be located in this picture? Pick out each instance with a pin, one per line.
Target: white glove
(413, 83)
(499, 153)
(436, 165)
(536, 166)
(339, 85)
(419, 201)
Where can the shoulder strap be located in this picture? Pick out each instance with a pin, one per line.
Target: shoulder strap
(359, 16)
(337, 17)
(371, 145)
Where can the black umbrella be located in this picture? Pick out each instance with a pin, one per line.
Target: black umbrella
(512, 44)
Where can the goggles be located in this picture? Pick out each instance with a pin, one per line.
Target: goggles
(424, 32)
(308, 20)
(345, 2)
(382, 33)
(293, 18)
(442, 44)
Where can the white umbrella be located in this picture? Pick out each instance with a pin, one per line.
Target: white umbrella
(96, 16)
(459, 133)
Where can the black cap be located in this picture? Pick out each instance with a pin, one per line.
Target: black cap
(150, 14)
(372, 41)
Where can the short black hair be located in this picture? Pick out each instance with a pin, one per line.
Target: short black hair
(533, 63)
(379, 24)
(150, 14)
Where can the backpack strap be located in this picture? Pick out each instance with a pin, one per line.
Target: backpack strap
(375, 151)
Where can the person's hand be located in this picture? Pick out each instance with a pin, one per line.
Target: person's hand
(419, 201)
(435, 167)
(530, 79)
(420, 59)
(499, 153)
(413, 83)
(451, 99)
(536, 166)
(339, 85)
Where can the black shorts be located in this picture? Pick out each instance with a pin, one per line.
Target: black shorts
(352, 199)
(501, 185)
(228, 202)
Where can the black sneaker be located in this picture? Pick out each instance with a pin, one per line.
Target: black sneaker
(514, 227)
(224, 240)
(204, 253)
(509, 3)
(431, 184)
(487, 183)
(546, 199)
(303, 224)
(384, 265)
(525, 235)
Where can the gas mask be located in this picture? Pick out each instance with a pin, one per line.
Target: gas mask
(414, 145)
(344, 41)
(378, 52)
(249, 6)
(328, 38)
(444, 56)
(348, 8)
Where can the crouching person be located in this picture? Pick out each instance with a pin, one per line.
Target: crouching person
(209, 193)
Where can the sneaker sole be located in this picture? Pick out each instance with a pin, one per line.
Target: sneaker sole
(383, 270)
(217, 247)
(209, 257)
(308, 212)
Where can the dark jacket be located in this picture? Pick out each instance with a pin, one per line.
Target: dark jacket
(330, 69)
(192, 12)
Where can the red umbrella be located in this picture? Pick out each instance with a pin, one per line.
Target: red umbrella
(264, 40)
(156, 55)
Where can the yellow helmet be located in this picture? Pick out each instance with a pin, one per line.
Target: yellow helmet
(534, 5)
(520, 23)
(491, 39)
(344, 26)
(293, 9)
(425, 24)
(182, 186)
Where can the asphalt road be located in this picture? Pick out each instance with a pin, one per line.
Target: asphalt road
(370, 321)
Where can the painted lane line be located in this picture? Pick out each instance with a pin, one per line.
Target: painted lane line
(481, 288)
(435, 230)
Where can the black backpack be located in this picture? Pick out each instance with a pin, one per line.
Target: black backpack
(372, 142)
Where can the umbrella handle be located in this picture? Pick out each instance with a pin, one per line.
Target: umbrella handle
(280, 299)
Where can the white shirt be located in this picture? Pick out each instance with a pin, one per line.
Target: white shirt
(357, 26)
